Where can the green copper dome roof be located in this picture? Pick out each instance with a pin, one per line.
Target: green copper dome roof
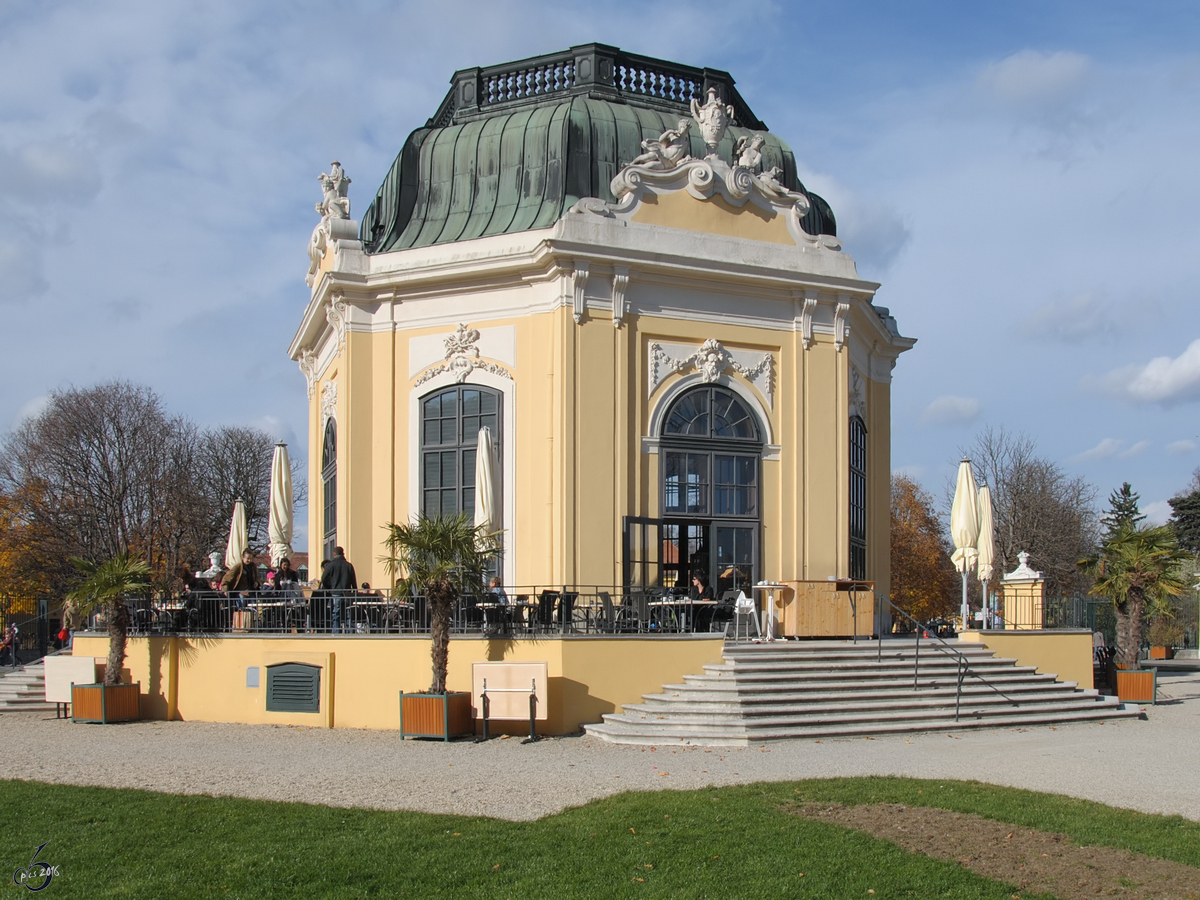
(513, 147)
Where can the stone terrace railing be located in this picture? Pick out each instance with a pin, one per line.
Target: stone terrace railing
(592, 69)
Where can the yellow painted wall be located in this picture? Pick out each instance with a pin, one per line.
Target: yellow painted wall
(587, 676)
(582, 411)
(1067, 654)
(713, 216)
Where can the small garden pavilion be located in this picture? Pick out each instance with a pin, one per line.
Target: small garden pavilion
(609, 262)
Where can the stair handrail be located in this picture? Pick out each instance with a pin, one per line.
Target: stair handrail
(963, 664)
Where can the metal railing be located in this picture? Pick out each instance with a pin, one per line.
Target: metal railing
(939, 644)
(587, 69)
(36, 632)
(528, 611)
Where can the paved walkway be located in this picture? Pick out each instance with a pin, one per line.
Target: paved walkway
(1150, 765)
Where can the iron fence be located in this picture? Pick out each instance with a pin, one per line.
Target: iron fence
(526, 611)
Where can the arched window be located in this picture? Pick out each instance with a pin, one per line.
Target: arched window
(710, 451)
(858, 498)
(450, 423)
(329, 489)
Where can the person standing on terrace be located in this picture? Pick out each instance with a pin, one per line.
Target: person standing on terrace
(339, 580)
(242, 579)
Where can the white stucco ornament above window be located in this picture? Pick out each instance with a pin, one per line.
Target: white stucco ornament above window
(711, 360)
(461, 355)
(328, 402)
(858, 395)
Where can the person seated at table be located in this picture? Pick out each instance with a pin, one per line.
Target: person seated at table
(496, 591)
(701, 590)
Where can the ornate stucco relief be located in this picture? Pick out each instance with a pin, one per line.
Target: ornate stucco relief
(308, 365)
(858, 394)
(329, 393)
(711, 360)
(665, 166)
(460, 357)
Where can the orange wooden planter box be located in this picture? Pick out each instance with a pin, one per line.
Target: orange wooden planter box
(106, 703)
(1162, 652)
(1136, 685)
(436, 715)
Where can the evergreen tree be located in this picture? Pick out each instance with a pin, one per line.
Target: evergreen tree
(1122, 510)
(1185, 516)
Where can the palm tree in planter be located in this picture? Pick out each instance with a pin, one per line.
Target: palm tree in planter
(1136, 567)
(106, 585)
(441, 559)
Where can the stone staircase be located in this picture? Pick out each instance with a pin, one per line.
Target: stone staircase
(24, 689)
(818, 689)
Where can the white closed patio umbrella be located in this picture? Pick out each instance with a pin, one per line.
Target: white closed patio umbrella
(279, 521)
(986, 545)
(237, 535)
(964, 527)
(487, 509)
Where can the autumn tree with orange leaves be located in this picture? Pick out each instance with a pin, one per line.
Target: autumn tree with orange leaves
(923, 578)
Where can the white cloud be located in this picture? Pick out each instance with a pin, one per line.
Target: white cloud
(1072, 321)
(949, 410)
(1034, 80)
(1164, 379)
(31, 409)
(1182, 448)
(873, 232)
(1106, 449)
(1133, 451)
(1157, 513)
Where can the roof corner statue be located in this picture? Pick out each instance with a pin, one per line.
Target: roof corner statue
(335, 224)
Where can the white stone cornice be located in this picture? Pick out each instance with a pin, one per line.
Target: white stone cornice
(841, 325)
(308, 365)
(579, 280)
(336, 315)
(806, 321)
(620, 306)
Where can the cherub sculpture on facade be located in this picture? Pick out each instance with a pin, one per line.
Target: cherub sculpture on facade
(668, 151)
(714, 117)
(748, 152)
(335, 185)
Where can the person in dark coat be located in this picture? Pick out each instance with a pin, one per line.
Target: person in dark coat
(339, 579)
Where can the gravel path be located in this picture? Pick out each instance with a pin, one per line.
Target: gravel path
(1148, 765)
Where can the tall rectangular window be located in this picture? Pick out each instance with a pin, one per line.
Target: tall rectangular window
(858, 498)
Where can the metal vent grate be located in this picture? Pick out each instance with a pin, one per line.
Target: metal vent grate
(293, 687)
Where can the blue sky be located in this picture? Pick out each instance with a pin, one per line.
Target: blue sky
(1021, 177)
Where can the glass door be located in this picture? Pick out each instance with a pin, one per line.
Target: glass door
(736, 557)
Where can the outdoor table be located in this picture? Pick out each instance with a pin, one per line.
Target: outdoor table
(489, 607)
(684, 607)
(271, 606)
(769, 616)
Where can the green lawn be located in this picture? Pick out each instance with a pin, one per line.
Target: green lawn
(721, 843)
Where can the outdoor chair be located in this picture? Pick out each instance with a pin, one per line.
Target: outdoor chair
(606, 618)
(566, 609)
(520, 613)
(744, 611)
(634, 614)
(545, 610)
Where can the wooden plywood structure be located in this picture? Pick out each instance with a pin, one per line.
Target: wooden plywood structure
(63, 671)
(820, 609)
(509, 685)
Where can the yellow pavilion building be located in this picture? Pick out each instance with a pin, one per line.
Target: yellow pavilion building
(609, 263)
